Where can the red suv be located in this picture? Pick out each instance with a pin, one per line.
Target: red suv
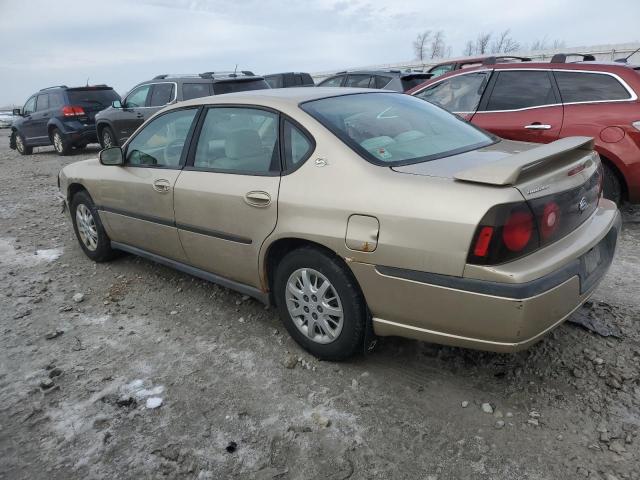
(542, 102)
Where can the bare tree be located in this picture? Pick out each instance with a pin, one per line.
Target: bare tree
(438, 47)
(420, 45)
(540, 44)
(505, 43)
(558, 44)
(482, 43)
(469, 49)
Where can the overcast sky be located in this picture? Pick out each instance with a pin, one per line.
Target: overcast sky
(120, 43)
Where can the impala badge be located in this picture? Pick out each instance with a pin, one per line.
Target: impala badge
(321, 162)
(582, 206)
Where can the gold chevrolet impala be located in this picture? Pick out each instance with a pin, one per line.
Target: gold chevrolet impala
(358, 213)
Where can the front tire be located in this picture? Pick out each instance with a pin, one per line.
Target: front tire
(21, 145)
(93, 239)
(320, 304)
(107, 138)
(60, 143)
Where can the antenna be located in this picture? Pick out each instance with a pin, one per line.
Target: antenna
(87, 81)
(235, 69)
(624, 59)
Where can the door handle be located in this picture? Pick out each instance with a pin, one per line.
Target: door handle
(139, 115)
(537, 126)
(161, 185)
(258, 198)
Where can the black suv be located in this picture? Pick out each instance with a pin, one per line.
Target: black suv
(116, 124)
(289, 79)
(400, 81)
(60, 116)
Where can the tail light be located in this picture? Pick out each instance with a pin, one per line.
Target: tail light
(513, 230)
(72, 111)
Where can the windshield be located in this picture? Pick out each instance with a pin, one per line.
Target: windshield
(396, 129)
(102, 97)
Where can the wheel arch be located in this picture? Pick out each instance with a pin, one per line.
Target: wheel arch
(276, 251)
(54, 124)
(609, 159)
(75, 188)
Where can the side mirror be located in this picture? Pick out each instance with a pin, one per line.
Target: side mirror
(111, 156)
(16, 111)
(116, 104)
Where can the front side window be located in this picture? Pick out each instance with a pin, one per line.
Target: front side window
(297, 145)
(238, 140)
(358, 81)
(138, 97)
(30, 106)
(161, 141)
(521, 89)
(589, 87)
(461, 93)
(42, 103)
(195, 90)
(161, 94)
(395, 129)
(332, 81)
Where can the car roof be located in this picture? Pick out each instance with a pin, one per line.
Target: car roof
(280, 96)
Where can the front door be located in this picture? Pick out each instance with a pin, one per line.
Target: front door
(40, 119)
(27, 125)
(132, 113)
(522, 105)
(136, 199)
(226, 198)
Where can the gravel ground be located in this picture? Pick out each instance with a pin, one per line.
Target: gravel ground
(132, 370)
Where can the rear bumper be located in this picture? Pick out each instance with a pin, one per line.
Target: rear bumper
(78, 132)
(483, 314)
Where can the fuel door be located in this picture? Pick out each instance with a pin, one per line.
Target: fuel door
(362, 233)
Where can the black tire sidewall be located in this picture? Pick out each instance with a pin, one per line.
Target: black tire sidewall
(103, 252)
(25, 150)
(351, 338)
(612, 188)
(66, 147)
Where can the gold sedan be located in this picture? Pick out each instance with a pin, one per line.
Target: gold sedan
(356, 212)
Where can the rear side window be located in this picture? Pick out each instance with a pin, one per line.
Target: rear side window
(461, 93)
(195, 90)
(42, 102)
(358, 81)
(521, 89)
(381, 81)
(239, 86)
(413, 81)
(297, 147)
(56, 99)
(238, 140)
(162, 94)
(441, 70)
(306, 79)
(589, 87)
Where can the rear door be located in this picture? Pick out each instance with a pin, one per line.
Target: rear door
(460, 94)
(521, 105)
(226, 199)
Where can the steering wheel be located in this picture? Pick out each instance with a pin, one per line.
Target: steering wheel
(173, 151)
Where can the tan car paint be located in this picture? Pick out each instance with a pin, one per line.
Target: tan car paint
(426, 222)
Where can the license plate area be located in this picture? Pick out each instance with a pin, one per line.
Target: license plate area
(596, 261)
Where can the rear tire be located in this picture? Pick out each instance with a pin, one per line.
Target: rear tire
(91, 235)
(107, 138)
(337, 314)
(60, 143)
(21, 145)
(611, 185)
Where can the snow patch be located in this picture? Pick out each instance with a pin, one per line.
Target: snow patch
(153, 402)
(49, 255)
(9, 255)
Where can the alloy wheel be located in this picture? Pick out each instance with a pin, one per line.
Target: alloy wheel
(19, 144)
(314, 305)
(86, 227)
(57, 142)
(107, 141)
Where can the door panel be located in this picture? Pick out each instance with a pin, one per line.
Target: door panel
(220, 230)
(539, 125)
(27, 124)
(521, 105)
(40, 118)
(133, 113)
(137, 213)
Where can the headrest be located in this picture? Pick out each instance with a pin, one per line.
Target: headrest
(243, 143)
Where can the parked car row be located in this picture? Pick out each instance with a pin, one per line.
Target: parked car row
(509, 96)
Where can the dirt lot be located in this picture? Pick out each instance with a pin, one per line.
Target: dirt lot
(79, 375)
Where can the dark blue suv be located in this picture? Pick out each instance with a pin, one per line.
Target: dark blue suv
(60, 116)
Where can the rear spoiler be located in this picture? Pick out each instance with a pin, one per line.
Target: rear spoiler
(507, 170)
